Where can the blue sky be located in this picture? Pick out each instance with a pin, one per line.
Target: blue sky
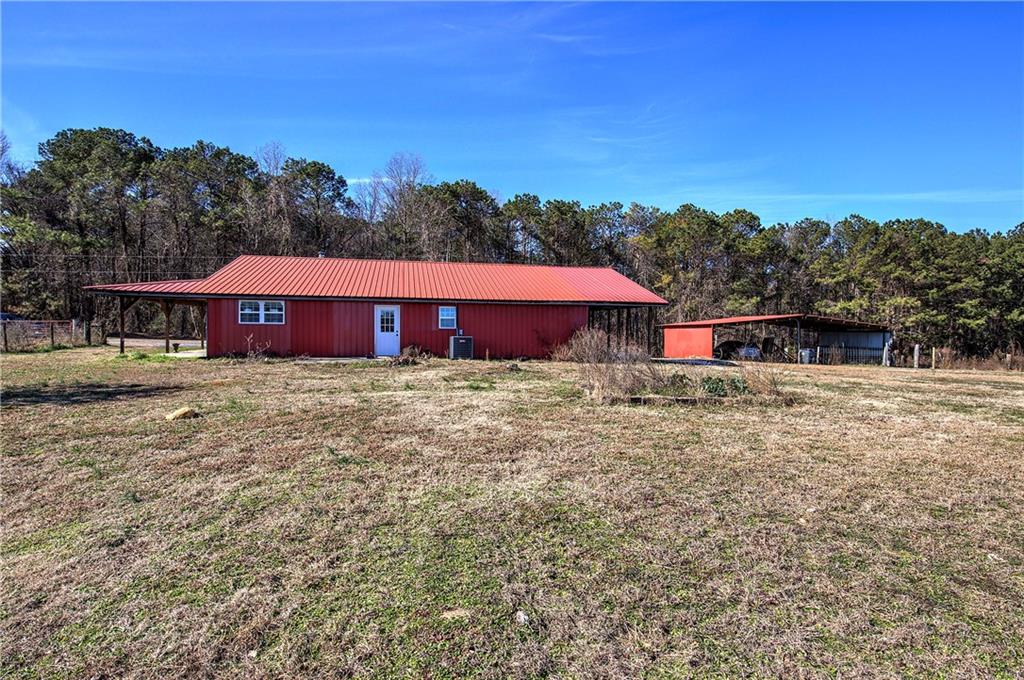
(789, 110)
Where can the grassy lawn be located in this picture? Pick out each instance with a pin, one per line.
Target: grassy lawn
(457, 519)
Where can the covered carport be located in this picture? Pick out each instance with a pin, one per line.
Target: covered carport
(809, 338)
(166, 294)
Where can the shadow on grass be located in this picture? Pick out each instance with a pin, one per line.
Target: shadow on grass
(82, 393)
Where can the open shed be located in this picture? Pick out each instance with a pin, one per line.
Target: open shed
(779, 337)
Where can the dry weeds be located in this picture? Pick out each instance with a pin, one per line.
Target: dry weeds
(324, 520)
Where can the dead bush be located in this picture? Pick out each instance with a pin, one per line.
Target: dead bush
(608, 371)
(766, 380)
(594, 346)
(615, 373)
(255, 351)
(1010, 359)
(410, 356)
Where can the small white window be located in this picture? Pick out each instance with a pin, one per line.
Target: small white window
(261, 311)
(273, 311)
(248, 311)
(446, 317)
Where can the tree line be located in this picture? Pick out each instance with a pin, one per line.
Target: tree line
(106, 205)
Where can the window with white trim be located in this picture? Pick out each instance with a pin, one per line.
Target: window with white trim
(261, 311)
(446, 318)
(273, 311)
(248, 311)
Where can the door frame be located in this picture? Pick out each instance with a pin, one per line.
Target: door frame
(398, 328)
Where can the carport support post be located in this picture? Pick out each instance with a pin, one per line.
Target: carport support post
(650, 330)
(799, 340)
(608, 328)
(166, 307)
(120, 323)
(202, 327)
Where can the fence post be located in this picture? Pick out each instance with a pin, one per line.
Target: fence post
(74, 329)
(885, 354)
(53, 337)
(917, 356)
(4, 324)
(933, 359)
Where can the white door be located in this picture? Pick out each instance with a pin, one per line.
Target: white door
(386, 327)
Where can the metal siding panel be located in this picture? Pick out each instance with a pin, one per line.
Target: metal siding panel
(681, 343)
(312, 327)
(520, 330)
(342, 328)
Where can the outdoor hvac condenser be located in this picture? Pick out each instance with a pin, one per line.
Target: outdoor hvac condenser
(460, 347)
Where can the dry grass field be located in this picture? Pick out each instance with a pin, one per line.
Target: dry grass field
(459, 519)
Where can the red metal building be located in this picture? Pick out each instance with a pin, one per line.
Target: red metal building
(342, 307)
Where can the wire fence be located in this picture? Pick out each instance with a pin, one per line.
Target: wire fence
(23, 336)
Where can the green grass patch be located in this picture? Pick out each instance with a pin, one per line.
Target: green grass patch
(144, 357)
(481, 383)
(62, 536)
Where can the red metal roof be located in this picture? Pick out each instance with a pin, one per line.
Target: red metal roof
(172, 287)
(313, 277)
(812, 320)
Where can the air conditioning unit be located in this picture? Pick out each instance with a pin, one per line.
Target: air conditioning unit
(460, 347)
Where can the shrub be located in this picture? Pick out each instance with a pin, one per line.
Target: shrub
(611, 373)
(1011, 359)
(766, 380)
(410, 356)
